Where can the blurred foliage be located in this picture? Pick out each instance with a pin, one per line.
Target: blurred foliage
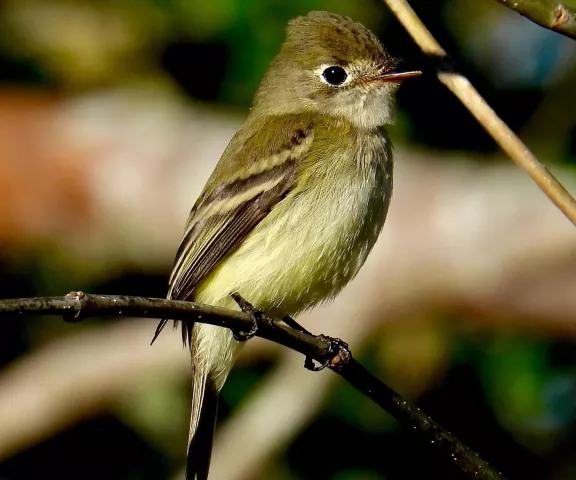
(217, 51)
(86, 44)
(522, 389)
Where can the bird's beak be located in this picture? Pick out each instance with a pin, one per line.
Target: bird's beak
(397, 76)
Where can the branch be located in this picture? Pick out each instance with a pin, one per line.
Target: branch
(77, 306)
(549, 14)
(460, 86)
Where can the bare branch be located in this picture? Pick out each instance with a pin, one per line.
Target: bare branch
(473, 101)
(549, 14)
(77, 306)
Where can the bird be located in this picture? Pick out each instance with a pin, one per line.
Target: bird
(296, 202)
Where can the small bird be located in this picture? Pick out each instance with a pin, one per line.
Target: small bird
(295, 204)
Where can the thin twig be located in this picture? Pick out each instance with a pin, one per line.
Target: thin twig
(549, 14)
(77, 306)
(473, 101)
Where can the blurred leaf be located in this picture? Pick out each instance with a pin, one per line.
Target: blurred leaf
(512, 50)
(242, 381)
(83, 44)
(515, 373)
(158, 409)
(413, 355)
(201, 20)
(559, 398)
(357, 475)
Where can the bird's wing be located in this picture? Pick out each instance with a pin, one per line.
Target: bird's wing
(230, 208)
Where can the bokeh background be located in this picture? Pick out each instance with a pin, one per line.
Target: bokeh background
(112, 115)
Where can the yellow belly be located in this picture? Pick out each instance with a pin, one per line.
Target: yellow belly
(292, 260)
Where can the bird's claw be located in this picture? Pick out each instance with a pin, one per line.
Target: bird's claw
(257, 318)
(245, 336)
(339, 355)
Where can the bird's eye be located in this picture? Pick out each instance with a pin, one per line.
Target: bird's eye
(335, 75)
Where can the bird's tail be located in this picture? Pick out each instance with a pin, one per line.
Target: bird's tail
(202, 423)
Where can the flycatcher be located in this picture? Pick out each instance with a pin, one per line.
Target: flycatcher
(296, 202)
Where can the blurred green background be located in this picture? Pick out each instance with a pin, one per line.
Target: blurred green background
(112, 114)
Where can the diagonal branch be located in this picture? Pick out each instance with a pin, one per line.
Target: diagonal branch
(460, 86)
(550, 14)
(77, 306)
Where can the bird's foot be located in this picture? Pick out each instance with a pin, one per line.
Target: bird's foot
(257, 318)
(339, 354)
(338, 357)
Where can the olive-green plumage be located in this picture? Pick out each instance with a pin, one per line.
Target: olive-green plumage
(296, 202)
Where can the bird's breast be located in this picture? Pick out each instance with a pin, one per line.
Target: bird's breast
(315, 241)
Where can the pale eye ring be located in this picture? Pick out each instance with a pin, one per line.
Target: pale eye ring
(334, 75)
